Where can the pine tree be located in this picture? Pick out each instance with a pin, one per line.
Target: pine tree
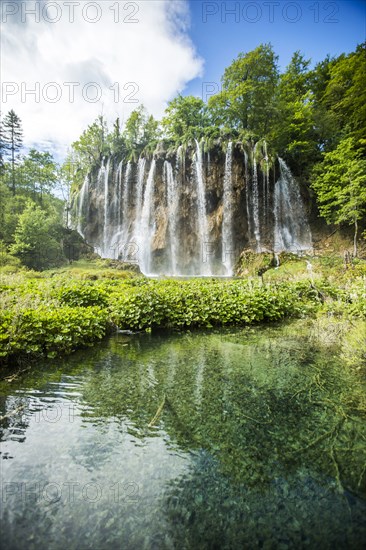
(13, 140)
(2, 146)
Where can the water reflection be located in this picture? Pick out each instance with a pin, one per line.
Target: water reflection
(233, 439)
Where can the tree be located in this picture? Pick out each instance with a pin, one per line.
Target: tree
(13, 139)
(38, 173)
(345, 94)
(117, 143)
(293, 134)
(133, 130)
(185, 119)
(35, 239)
(150, 134)
(92, 144)
(247, 99)
(2, 146)
(141, 133)
(340, 184)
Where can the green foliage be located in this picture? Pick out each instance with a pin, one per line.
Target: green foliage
(58, 312)
(248, 92)
(185, 120)
(340, 183)
(199, 303)
(35, 240)
(345, 93)
(50, 332)
(12, 263)
(354, 346)
(252, 263)
(292, 133)
(37, 173)
(11, 143)
(141, 133)
(92, 143)
(82, 295)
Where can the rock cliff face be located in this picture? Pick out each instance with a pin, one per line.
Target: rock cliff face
(192, 212)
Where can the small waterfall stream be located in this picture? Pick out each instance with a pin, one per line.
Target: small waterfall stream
(227, 219)
(202, 214)
(255, 200)
(125, 205)
(119, 194)
(266, 190)
(247, 197)
(173, 205)
(84, 191)
(291, 231)
(146, 228)
(106, 210)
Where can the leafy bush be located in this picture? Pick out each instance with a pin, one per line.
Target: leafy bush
(53, 314)
(198, 303)
(50, 332)
(82, 295)
(8, 263)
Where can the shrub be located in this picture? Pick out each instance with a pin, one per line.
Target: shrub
(50, 332)
(82, 295)
(198, 303)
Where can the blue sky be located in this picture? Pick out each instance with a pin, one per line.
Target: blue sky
(318, 28)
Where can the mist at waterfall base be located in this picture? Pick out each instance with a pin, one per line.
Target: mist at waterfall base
(191, 213)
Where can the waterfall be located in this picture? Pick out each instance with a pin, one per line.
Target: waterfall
(180, 164)
(201, 210)
(255, 201)
(146, 228)
(119, 194)
(173, 204)
(106, 209)
(266, 182)
(291, 231)
(139, 194)
(247, 198)
(227, 220)
(171, 216)
(84, 191)
(125, 205)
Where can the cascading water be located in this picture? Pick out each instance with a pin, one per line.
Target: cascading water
(156, 213)
(291, 231)
(227, 219)
(82, 205)
(265, 182)
(106, 210)
(125, 205)
(173, 205)
(247, 197)
(139, 194)
(146, 228)
(119, 194)
(255, 200)
(202, 214)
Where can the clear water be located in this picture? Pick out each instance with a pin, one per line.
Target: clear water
(248, 438)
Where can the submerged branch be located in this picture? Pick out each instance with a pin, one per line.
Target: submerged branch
(158, 413)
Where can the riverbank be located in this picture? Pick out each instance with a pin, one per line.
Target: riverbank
(54, 313)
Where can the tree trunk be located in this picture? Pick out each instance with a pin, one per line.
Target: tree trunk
(355, 239)
(13, 169)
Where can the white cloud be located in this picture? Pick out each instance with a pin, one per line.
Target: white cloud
(154, 53)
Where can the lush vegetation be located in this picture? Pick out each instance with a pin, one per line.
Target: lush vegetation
(57, 312)
(34, 194)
